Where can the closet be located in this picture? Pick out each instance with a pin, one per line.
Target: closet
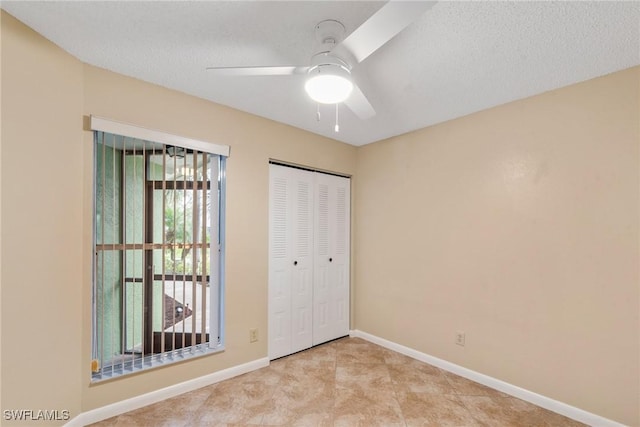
(309, 230)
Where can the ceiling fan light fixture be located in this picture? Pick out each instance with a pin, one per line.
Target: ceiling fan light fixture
(329, 83)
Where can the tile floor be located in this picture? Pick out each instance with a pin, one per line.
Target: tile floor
(348, 382)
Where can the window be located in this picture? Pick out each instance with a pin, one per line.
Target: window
(159, 248)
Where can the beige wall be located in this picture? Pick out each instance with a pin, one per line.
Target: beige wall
(47, 216)
(519, 226)
(42, 255)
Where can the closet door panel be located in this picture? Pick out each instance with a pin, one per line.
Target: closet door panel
(323, 312)
(280, 271)
(341, 248)
(302, 224)
(331, 285)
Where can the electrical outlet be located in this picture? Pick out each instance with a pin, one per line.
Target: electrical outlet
(253, 335)
(460, 338)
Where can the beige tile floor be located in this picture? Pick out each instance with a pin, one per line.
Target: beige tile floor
(348, 382)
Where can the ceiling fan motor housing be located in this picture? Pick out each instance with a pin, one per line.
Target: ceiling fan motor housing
(329, 33)
(324, 59)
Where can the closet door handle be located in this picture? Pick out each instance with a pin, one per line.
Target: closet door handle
(295, 262)
(330, 259)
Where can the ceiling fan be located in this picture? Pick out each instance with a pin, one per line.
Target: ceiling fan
(329, 79)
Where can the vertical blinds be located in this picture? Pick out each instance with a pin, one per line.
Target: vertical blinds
(158, 244)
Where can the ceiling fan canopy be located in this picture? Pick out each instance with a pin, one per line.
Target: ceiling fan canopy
(330, 80)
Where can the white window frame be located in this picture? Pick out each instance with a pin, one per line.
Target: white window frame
(99, 124)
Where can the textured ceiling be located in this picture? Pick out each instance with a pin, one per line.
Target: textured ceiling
(457, 58)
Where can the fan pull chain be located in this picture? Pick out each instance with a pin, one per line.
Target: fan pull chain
(337, 128)
(318, 112)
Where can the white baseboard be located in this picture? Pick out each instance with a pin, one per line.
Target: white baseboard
(529, 396)
(99, 414)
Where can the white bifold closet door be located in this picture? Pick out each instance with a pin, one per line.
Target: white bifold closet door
(331, 258)
(308, 259)
(290, 260)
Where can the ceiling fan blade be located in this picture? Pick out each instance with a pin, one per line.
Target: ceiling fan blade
(257, 71)
(382, 26)
(359, 104)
